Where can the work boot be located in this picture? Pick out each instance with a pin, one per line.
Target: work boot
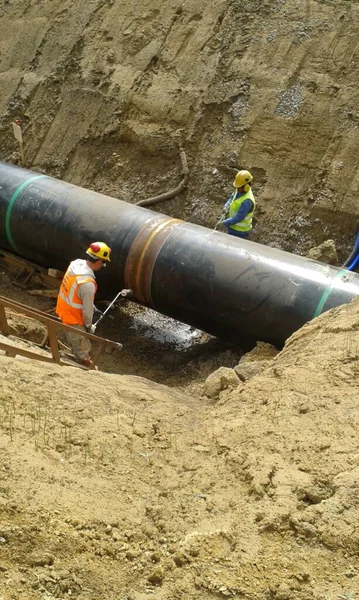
(88, 362)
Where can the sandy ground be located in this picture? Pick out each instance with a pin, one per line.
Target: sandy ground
(161, 477)
(118, 487)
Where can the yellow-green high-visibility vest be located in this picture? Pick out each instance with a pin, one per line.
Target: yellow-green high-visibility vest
(237, 201)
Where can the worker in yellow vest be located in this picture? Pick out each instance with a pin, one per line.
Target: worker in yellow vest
(240, 206)
(75, 302)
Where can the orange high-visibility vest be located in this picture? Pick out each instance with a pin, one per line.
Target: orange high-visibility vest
(69, 304)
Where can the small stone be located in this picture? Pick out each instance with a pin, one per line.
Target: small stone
(41, 560)
(180, 559)
(247, 370)
(139, 432)
(155, 557)
(325, 252)
(283, 592)
(156, 577)
(220, 380)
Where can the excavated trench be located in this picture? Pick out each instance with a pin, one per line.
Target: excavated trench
(154, 346)
(195, 275)
(255, 496)
(230, 288)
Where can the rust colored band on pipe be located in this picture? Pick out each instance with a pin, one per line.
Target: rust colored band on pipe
(143, 253)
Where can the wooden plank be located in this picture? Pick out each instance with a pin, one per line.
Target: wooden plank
(44, 318)
(16, 261)
(70, 362)
(53, 342)
(44, 341)
(4, 326)
(12, 262)
(13, 351)
(27, 310)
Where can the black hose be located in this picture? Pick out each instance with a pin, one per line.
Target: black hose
(172, 193)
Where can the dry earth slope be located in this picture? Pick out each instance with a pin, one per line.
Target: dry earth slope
(114, 487)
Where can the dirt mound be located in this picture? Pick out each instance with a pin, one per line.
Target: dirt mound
(117, 487)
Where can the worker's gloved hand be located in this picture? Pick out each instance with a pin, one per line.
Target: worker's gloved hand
(91, 329)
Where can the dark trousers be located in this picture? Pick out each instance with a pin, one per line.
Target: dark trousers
(240, 234)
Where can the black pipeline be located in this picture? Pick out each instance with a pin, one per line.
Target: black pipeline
(228, 287)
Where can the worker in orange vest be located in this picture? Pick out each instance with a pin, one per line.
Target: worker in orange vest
(75, 302)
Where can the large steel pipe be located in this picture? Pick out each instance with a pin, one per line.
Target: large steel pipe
(228, 287)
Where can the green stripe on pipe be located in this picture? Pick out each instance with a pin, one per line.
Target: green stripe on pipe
(327, 293)
(11, 204)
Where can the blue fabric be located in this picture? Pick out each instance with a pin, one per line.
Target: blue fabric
(245, 208)
(228, 203)
(240, 234)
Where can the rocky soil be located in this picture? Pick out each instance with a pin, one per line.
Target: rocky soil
(175, 472)
(117, 487)
(106, 91)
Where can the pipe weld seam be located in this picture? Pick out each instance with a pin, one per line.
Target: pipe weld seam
(143, 255)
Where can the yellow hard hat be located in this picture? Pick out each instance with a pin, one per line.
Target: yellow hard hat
(99, 250)
(242, 179)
